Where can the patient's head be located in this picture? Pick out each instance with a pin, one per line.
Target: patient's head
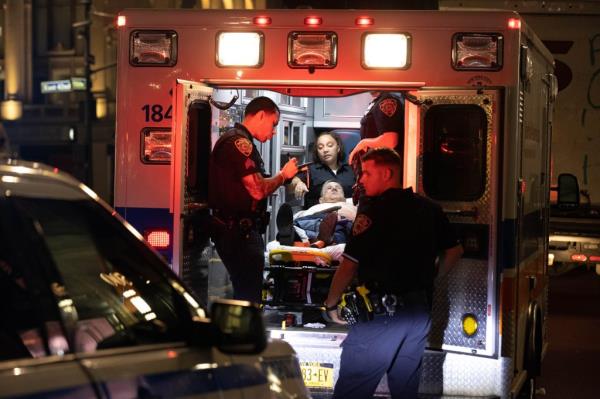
(332, 191)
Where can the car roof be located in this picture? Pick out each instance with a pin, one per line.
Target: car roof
(37, 180)
(34, 179)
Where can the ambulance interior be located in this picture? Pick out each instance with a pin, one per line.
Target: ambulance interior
(299, 278)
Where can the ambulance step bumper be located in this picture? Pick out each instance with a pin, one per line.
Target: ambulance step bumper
(445, 375)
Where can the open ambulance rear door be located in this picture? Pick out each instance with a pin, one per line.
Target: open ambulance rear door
(452, 157)
(192, 144)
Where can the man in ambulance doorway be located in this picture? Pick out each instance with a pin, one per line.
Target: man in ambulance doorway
(382, 125)
(238, 192)
(413, 238)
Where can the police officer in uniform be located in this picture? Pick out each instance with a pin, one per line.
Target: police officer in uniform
(238, 196)
(396, 237)
(382, 124)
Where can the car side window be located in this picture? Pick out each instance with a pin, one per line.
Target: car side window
(29, 322)
(121, 292)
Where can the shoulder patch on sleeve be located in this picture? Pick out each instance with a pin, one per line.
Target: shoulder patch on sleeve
(244, 146)
(249, 163)
(361, 224)
(388, 106)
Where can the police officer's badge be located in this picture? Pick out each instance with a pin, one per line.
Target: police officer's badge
(361, 224)
(388, 106)
(244, 146)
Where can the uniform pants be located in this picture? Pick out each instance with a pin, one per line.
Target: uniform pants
(386, 344)
(244, 259)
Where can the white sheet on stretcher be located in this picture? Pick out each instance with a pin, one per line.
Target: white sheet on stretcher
(333, 251)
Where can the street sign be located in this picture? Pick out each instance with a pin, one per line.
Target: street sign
(63, 86)
(56, 86)
(78, 83)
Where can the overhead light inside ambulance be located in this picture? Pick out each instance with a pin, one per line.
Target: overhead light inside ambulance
(307, 49)
(153, 48)
(239, 49)
(385, 50)
(476, 51)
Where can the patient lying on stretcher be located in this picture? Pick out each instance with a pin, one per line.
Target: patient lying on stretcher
(326, 225)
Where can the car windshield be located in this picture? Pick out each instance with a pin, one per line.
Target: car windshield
(122, 293)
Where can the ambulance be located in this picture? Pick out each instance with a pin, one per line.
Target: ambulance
(479, 91)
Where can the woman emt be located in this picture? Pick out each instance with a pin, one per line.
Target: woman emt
(328, 157)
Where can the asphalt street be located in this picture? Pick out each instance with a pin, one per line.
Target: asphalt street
(572, 364)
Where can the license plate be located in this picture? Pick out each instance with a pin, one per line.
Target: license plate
(317, 375)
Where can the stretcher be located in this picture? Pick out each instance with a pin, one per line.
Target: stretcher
(300, 256)
(298, 277)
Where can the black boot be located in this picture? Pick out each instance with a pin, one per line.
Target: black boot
(285, 225)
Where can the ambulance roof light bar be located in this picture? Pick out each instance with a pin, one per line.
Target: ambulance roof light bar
(313, 21)
(262, 20)
(335, 84)
(312, 50)
(514, 23)
(386, 51)
(477, 51)
(364, 21)
(240, 49)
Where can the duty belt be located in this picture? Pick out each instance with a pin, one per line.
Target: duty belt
(361, 304)
(389, 303)
(243, 220)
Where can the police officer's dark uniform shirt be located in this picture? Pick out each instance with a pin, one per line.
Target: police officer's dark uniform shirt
(234, 156)
(395, 239)
(319, 174)
(384, 114)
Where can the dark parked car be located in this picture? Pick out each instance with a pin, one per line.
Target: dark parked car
(88, 310)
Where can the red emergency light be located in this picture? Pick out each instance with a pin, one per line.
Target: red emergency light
(158, 238)
(364, 21)
(121, 20)
(514, 23)
(313, 21)
(262, 21)
(595, 259)
(578, 258)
